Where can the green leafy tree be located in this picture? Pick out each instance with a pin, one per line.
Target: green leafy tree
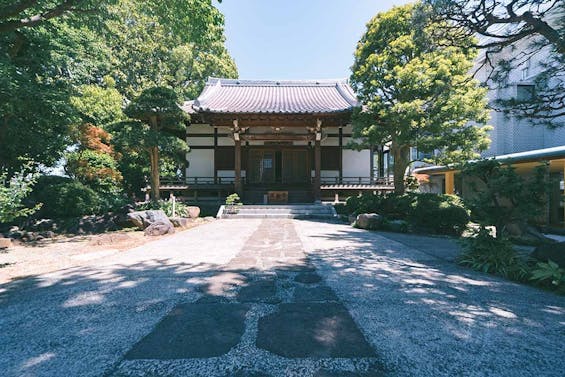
(511, 34)
(501, 196)
(13, 192)
(161, 122)
(175, 44)
(40, 67)
(416, 92)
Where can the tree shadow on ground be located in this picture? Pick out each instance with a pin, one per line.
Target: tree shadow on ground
(416, 306)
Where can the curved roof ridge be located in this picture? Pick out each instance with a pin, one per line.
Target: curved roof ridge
(276, 96)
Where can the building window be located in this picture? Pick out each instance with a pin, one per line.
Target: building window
(526, 70)
(524, 92)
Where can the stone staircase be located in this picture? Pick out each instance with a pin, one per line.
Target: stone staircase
(290, 211)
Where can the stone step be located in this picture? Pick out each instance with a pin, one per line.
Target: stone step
(279, 211)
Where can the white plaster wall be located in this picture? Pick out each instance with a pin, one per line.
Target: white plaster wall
(200, 129)
(356, 163)
(200, 141)
(226, 141)
(200, 163)
(330, 141)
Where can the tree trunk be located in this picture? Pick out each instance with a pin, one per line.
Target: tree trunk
(400, 153)
(155, 183)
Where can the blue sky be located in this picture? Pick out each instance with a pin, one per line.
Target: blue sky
(296, 39)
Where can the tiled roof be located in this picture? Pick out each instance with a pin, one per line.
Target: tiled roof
(266, 96)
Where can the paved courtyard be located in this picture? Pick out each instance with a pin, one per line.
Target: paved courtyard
(278, 298)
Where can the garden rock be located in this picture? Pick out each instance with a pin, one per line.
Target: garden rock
(143, 219)
(554, 252)
(399, 226)
(47, 234)
(527, 234)
(193, 211)
(15, 233)
(180, 222)
(160, 228)
(369, 221)
(5, 243)
(44, 224)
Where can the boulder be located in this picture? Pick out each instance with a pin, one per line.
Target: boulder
(369, 221)
(193, 211)
(180, 222)
(47, 234)
(143, 219)
(5, 243)
(15, 232)
(554, 252)
(159, 228)
(522, 233)
(44, 225)
(399, 226)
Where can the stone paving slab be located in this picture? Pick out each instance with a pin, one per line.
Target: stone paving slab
(193, 330)
(312, 330)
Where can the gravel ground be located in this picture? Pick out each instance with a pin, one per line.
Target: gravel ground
(429, 317)
(423, 316)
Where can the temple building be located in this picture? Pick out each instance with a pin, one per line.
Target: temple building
(275, 141)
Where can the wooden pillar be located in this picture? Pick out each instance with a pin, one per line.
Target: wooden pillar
(317, 161)
(340, 143)
(381, 161)
(372, 165)
(237, 158)
(450, 182)
(215, 153)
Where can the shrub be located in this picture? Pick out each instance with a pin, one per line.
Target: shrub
(181, 209)
(441, 214)
(63, 197)
(549, 275)
(492, 255)
(13, 192)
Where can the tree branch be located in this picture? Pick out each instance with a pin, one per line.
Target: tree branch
(64, 7)
(12, 10)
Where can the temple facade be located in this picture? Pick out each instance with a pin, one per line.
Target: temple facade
(275, 142)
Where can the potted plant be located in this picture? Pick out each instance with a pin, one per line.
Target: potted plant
(232, 203)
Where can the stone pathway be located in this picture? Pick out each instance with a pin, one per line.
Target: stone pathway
(266, 313)
(274, 298)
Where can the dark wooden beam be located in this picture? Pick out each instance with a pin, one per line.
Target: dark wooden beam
(276, 137)
(317, 168)
(340, 143)
(215, 149)
(237, 160)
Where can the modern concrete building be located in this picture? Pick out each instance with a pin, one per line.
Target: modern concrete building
(519, 142)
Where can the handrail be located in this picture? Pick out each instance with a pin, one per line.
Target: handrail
(372, 181)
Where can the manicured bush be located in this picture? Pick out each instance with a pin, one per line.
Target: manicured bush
(63, 197)
(441, 214)
(492, 255)
(434, 213)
